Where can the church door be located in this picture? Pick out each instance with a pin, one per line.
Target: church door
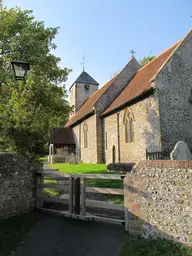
(113, 154)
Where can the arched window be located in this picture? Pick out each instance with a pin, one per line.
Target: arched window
(85, 135)
(129, 126)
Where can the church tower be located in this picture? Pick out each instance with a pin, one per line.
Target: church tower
(81, 90)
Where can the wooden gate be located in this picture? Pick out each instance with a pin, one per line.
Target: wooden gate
(73, 196)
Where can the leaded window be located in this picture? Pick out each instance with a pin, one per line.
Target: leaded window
(129, 126)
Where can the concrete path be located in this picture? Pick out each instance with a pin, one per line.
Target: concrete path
(56, 236)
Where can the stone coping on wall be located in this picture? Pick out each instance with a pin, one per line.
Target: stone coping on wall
(179, 164)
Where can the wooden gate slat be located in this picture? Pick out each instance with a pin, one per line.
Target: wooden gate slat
(56, 200)
(112, 191)
(55, 186)
(104, 205)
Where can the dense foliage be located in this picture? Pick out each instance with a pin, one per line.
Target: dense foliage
(28, 110)
(146, 60)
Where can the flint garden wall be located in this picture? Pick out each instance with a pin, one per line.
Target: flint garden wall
(158, 200)
(17, 185)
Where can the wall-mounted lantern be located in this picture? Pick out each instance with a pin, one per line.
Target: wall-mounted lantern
(20, 67)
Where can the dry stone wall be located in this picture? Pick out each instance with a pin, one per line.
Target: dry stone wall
(158, 200)
(17, 185)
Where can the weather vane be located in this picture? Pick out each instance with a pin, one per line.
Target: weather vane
(132, 52)
(83, 62)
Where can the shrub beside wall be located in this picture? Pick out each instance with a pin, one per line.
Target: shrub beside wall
(120, 167)
(158, 200)
(17, 185)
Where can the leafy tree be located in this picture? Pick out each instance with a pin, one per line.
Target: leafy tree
(28, 110)
(145, 60)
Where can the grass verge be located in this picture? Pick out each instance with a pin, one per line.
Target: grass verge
(44, 159)
(14, 230)
(104, 183)
(80, 168)
(159, 247)
(48, 191)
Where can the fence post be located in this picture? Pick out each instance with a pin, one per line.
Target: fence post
(77, 196)
(83, 197)
(71, 182)
(39, 188)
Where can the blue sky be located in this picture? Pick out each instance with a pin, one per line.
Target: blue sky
(106, 30)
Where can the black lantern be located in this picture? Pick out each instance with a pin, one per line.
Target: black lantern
(20, 69)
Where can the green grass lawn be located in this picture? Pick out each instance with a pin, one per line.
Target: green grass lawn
(44, 159)
(83, 168)
(48, 191)
(142, 247)
(80, 168)
(14, 230)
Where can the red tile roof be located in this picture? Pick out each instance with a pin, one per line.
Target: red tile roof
(87, 107)
(141, 81)
(137, 86)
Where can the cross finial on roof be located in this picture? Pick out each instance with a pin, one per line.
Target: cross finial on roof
(83, 62)
(132, 52)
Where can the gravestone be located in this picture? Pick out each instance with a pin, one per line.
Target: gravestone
(181, 152)
(73, 159)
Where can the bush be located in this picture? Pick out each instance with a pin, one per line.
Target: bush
(120, 167)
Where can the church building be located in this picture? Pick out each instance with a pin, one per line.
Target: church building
(140, 109)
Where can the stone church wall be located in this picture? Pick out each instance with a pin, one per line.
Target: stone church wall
(111, 131)
(147, 132)
(117, 86)
(89, 154)
(175, 91)
(76, 132)
(79, 94)
(109, 96)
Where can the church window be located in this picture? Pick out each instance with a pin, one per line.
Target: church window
(87, 87)
(106, 140)
(85, 134)
(129, 126)
(127, 137)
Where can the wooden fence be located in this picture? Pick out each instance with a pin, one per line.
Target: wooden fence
(74, 190)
